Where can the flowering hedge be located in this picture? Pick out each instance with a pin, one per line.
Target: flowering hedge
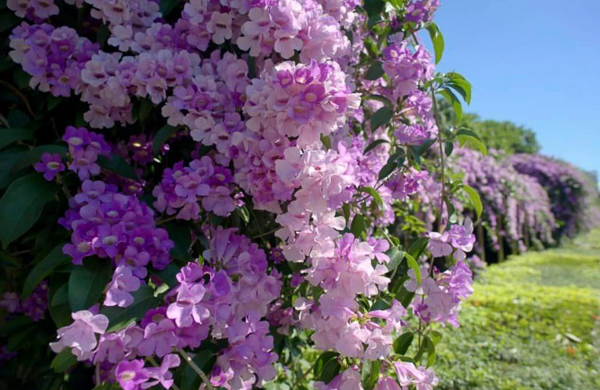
(225, 176)
(210, 194)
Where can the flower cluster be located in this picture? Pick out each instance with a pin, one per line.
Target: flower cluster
(421, 11)
(33, 306)
(54, 57)
(438, 296)
(303, 101)
(182, 187)
(34, 10)
(285, 27)
(223, 299)
(84, 148)
(106, 223)
(459, 239)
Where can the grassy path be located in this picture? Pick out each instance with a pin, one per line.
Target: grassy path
(533, 323)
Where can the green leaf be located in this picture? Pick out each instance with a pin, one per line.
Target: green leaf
(412, 263)
(402, 343)
(461, 85)
(454, 102)
(374, 20)
(102, 35)
(435, 337)
(438, 41)
(118, 165)
(87, 282)
(374, 194)
(59, 307)
(358, 226)
(395, 161)
(169, 275)
(326, 367)
(22, 205)
(475, 199)
(161, 137)
(167, 6)
(374, 7)
(381, 304)
(34, 155)
(7, 21)
(375, 71)
(42, 269)
(53, 101)
(326, 141)
(10, 135)
(370, 374)
(8, 159)
(63, 361)
(179, 233)
(471, 142)
(403, 295)
(21, 78)
(448, 148)
(396, 256)
(119, 318)
(381, 117)
(427, 346)
(375, 144)
(346, 210)
(145, 108)
(387, 169)
(418, 247)
(12, 326)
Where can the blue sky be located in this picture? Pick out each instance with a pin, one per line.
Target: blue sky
(533, 62)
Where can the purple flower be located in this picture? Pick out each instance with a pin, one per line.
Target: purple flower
(131, 374)
(159, 338)
(161, 375)
(50, 166)
(188, 308)
(438, 244)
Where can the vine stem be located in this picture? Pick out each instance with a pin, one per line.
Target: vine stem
(443, 171)
(442, 161)
(98, 379)
(165, 220)
(17, 92)
(197, 369)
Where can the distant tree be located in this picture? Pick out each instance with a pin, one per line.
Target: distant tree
(505, 136)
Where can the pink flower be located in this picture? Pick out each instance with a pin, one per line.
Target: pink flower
(387, 383)
(131, 374)
(220, 27)
(80, 335)
(438, 244)
(119, 288)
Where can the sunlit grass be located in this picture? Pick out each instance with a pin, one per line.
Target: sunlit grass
(531, 324)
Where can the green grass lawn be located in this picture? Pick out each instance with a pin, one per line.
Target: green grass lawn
(533, 323)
